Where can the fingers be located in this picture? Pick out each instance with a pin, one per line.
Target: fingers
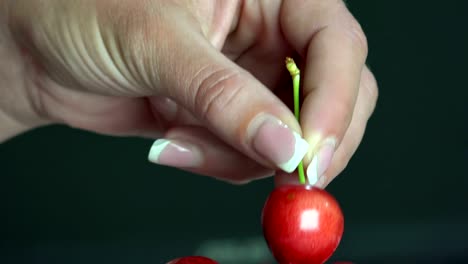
(365, 105)
(196, 150)
(234, 105)
(118, 48)
(228, 100)
(170, 113)
(335, 51)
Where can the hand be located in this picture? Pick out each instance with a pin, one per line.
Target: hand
(206, 75)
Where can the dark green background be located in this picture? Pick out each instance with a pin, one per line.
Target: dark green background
(72, 197)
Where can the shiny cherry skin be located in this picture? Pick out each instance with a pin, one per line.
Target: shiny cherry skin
(302, 224)
(193, 260)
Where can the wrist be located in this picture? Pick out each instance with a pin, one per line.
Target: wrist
(9, 127)
(17, 111)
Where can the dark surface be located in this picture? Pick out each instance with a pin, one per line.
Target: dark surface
(72, 197)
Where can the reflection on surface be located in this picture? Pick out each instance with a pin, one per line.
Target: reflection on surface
(309, 220)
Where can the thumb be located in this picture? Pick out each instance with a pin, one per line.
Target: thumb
(231, 103)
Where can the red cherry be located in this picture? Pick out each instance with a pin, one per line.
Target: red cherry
(193, 260)
(302, 224)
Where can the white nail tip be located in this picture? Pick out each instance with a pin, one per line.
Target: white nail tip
(312, 171)
(156, 149)
(300, 150)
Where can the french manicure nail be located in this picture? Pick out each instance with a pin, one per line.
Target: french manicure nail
(170, 153)
(321, 161)
(278, 143)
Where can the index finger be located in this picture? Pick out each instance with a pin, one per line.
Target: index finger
(335, 50)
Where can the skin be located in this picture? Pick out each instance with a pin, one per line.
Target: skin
(99, 65)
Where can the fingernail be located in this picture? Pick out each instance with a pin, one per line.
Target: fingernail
(164, 106)
(170, 153)
(278, 143)
(321, 161)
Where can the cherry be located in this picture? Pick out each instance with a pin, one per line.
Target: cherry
(302, 224)
(193, 260)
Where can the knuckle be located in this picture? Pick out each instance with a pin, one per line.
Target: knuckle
(132, 61)
(357, 37)
(374, 93)
(214, 89)
(372, 90)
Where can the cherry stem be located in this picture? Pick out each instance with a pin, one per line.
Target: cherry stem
(296, 77)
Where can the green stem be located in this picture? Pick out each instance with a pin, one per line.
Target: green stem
(296, 77)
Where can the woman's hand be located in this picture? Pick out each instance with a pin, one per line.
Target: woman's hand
(206, 78)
